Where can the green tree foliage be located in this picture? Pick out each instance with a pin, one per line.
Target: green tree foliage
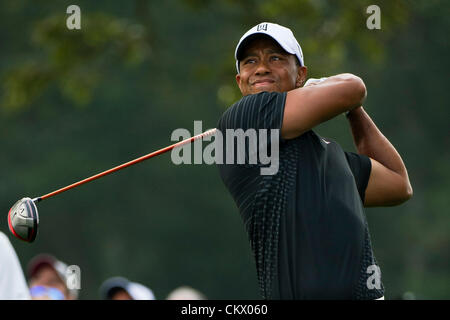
(75, 61)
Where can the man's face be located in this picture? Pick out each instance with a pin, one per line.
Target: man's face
(265, 66)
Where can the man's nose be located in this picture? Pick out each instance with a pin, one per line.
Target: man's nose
(262, 68)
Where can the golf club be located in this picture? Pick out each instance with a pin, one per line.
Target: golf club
(23, 218)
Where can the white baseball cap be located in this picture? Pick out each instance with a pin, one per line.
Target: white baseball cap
(280, 34)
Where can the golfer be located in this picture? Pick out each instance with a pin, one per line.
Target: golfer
(306, 223)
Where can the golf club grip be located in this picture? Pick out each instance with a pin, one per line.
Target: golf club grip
(130, 163)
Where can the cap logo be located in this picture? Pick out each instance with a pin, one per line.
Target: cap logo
(261, 26)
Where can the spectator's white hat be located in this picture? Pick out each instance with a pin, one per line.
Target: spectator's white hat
(185, 293)
(136, 291)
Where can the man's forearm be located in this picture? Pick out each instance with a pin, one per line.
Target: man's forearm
(358, 90)
(371, 142)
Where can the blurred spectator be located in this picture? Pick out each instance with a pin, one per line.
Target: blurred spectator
(47, 279)
(407, 295)
(13, 285)
(185, 293)
(119, 288)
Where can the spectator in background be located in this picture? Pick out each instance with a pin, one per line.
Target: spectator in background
(119, 288)
(185, 293)
(48, 279)
(12, 281)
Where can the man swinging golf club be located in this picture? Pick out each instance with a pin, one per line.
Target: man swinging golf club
(306, 223)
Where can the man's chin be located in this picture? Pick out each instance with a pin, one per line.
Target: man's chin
(259, 89)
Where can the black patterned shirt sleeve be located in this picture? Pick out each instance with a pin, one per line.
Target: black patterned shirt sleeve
(361, 167)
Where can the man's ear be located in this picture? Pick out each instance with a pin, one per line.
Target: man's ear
(238, 80)
(302, 73)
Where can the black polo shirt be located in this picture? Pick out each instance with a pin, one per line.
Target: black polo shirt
(306, 223)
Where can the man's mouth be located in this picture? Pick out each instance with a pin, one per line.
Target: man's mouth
(263, 82)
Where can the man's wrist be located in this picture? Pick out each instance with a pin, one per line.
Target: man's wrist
(349, 113)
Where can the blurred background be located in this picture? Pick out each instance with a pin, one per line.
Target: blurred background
(77, 102)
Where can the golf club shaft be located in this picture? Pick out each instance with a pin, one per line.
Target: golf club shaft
(122, 166)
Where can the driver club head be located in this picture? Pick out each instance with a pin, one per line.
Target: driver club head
(23, 220)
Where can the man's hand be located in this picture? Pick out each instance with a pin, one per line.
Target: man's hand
(314, 81)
